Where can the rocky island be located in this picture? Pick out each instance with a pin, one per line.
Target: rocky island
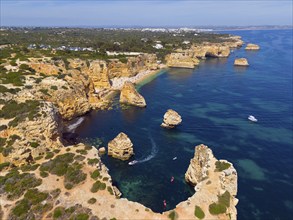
(44, 176)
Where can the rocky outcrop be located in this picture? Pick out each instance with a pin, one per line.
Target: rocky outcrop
(130, 96)
(241, 62)
(217, 52)
(45, 68)
(171, 119)
(98, 72)
(181, 60)
(35, 136)
(252, 47)
(78, 64)
(120, 147)
(199, 164)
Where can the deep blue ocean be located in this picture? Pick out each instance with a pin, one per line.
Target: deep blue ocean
(214, 101)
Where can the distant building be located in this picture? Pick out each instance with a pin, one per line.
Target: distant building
(158, 46)
(186, 42)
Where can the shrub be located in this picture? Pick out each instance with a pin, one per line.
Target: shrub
(216, 208)
(29, 167)
(43, 174)
(110, 190)
(22, 207)
(54, 87)
(93, 161)
(95, 174)
(49, 155)
(82, 216)
(198, 212)
(92, 201)
(98, 186)
(221, 165)
(225, 199)
(173, 215)
(34, 144)
(35, 197)
(58, 212)
(83, 152)
(13, 78)
(3, 165)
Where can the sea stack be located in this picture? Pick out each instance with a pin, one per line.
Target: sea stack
(171, 119)
(241, 62)
(130, 96)
(120, 147)
(252, 47)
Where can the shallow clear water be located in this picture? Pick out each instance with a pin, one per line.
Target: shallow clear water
(214, 101)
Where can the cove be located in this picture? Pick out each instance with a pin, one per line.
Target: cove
(214, 101)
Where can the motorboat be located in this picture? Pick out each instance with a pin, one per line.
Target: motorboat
(132, 162)
(252, 118)
(175, 158)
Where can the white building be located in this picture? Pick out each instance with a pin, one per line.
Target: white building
(158, 46)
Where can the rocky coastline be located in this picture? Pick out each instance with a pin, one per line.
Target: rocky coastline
(32, 145)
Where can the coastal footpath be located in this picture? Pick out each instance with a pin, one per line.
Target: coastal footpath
(43, 176)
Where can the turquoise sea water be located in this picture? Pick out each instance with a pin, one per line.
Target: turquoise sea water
(214, 101)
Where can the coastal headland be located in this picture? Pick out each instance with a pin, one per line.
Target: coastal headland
(43, 176)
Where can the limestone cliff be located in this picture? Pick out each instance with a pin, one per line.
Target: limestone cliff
(171, 119)
(130, 96)
(252, 47)
(241, 62)
(98, 72)
(120, 147)
(181, 60)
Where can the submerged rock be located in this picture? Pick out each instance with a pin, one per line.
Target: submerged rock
(129, 95)
(198, 167)
(120, 147)
(171, 119)
(241, 62)
(252, 47)
(102, 150)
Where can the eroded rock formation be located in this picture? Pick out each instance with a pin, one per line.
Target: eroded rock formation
(199, 164)
(252, 47)
(241, 62)
(130, 96)
(120, 147)
(181, 60)
(171, 119)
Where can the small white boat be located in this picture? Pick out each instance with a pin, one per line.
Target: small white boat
(175, 158)
(132, 162)
(252, 118)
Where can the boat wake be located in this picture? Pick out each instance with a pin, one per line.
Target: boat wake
(73, 126)
(149, 157)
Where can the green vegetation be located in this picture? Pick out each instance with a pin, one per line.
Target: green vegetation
(173, 215)
(93, 161)
(15, 184)
(45, 92)
(58, 212)
(49, 155)
(221, 165)
(62, 165)
(198, 212)
(222, 204)
(29, 167)
(43, 174)
(22, 207)
(95, 174)
(34, 144)
(82, 216)
(110, 190)
(4, 165)
(20, 111)
(35, 197)
(92, 201)
(82, 151)
(98, 186)
(4, 89)
(54, 87)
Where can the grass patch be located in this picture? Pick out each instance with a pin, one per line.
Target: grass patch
(35, 197)
(22, 207)
(82, 216)
(110, 190)
(49, 155)
(93, 161)
(198, 212)
(34, 144)
(220, 166)
(29, 167)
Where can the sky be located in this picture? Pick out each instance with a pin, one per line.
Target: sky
(152, 13)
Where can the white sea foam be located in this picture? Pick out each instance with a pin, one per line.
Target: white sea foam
(73, 126)
(150, 156)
